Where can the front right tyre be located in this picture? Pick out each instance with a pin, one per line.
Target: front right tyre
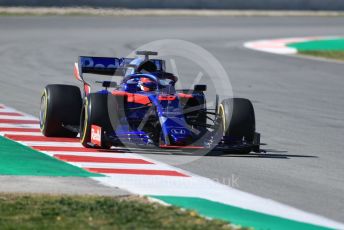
(95, 111)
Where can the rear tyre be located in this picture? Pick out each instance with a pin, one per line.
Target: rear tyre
(60, 107)
(95, 111)
(237, 120)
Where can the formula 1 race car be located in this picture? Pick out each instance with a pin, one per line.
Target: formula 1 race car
(144, 110)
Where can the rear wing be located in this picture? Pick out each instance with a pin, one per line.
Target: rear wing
(110, 66)
(106, 65)
(99, 65)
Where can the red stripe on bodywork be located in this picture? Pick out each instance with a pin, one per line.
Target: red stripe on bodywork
(87, 88)
(119, 93)
(19, 129)
(181, 147)
(11, 114)
(138, 98)
(184, 95)
(72, 158)
(76, 72)
(40, 138)
(9, 121)
(133, 97)
(136, 171)
(167, 98)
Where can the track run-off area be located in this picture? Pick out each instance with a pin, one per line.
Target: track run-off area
(298, 104)
(127, 169)
(294, 45)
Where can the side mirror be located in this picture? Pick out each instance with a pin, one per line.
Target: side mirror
(200, 88)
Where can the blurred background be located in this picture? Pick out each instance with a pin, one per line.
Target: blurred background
(189, 4)
(298, 101)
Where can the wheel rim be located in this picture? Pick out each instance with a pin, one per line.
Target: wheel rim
(222, 120)
(83, 122)
(43, 111)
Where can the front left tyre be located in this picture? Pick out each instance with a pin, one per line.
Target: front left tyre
(236, 119)
(97, 110)
(60, 108)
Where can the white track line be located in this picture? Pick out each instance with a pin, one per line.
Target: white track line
(91, 154)
(52, 144)
(30, 126)
(21, 133)
(279, 46)
(18, 117)
(197, 186)
(7, 109)
(122, 166)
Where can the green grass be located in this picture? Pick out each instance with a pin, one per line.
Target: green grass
(338, 55)
(94, 212)
(326, 44)
(17, 159)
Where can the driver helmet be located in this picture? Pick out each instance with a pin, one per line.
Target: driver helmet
(146, 84)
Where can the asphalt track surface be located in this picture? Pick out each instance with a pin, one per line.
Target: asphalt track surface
(299, 103)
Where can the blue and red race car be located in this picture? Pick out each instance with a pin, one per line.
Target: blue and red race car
(144, 109)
